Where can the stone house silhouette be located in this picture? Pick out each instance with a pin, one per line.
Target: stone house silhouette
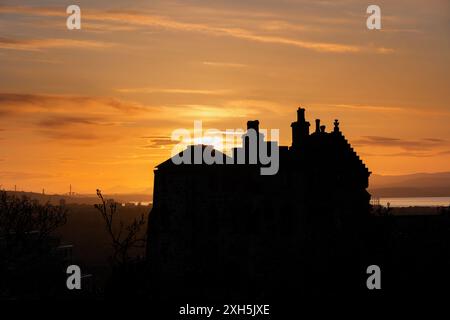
(221, 231)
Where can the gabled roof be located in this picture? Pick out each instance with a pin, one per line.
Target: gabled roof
(170, 163)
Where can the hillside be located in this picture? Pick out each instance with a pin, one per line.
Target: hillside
(411, 185)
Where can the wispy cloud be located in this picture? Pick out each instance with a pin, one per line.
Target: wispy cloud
(158, 142)
(13, 175)
(89, 120)
(312, 45)
(53, 116)
(362, 107)
(415, 145)
(224, 64)
(156, 21)
(65, 121)
(381, 108)
(13, 103)
(216, 113)
(35, 11)
(413, 154)
(65, 135)
(174, 91)
(40, 44)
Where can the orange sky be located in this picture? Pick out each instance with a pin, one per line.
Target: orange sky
(95, 107)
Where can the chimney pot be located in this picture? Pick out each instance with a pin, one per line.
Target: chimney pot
(253, 124)
(301, 115)
(317, 125)
(336, 125)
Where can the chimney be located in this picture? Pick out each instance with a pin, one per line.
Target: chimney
(250, 142)
(253, 125)
(301, 115)
(300, 129)
(317, 125)
(336, 125)
(322, 129)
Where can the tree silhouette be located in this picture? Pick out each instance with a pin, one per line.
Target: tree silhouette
(123, 238)
(27, 245)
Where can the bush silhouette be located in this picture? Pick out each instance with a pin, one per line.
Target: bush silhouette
(29, 262)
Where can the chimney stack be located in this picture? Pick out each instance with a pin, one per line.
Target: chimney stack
(253, 125)
(301, 115)
(300, 129)
(317, 125)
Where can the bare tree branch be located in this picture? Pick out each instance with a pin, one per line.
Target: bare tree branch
(124, 238)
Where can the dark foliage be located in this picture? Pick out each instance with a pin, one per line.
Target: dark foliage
(29, 262)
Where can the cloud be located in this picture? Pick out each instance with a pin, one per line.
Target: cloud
(418, 146)
(414, 154)
(151, 20)
(175, 91)
(64, 121)
(362, 107)
(14, 175)
(216, 113)
(435, 140)
(126, 106)
(312, 45)
(381, 108)
(159, 142)
(224, 64)
(39, 44)
(13, 103)
(67, 135)
(71, 117)
(39, 11)
(88, 120)
(55, 112)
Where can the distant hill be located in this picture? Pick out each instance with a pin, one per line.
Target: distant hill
(411, 185)
(90, 199)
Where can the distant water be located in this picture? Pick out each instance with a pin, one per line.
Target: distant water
(393, 202)
(141, 203)
(416, 202)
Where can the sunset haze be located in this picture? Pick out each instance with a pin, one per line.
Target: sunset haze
(96, 107)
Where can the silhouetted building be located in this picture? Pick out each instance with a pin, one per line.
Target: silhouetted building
(219, 231)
